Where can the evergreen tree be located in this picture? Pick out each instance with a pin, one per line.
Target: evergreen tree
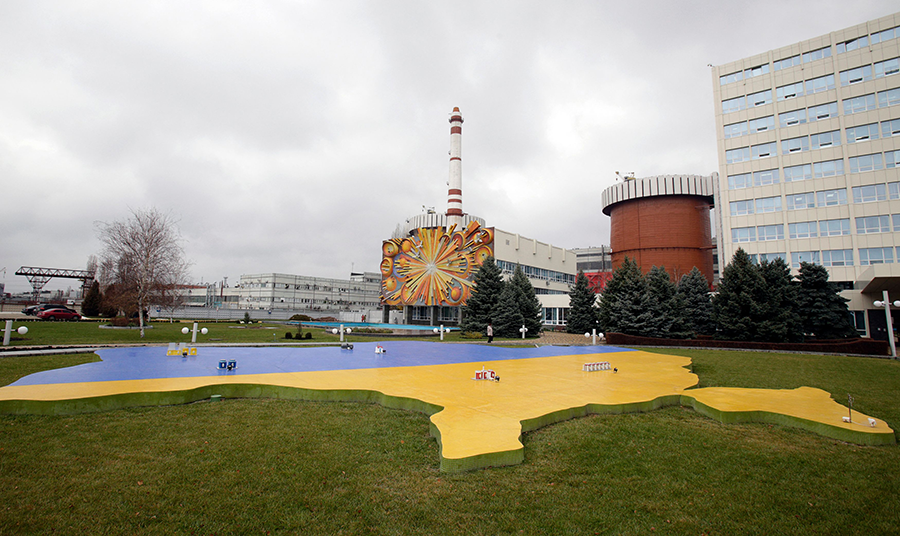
(508, 316)
(529, 304)
(91, 304)
(634, 310)
(582, 317)
(625, 304)
(823, 311)
(780, 322)
(664, 306)
(695, 303)
(480, 307)
(737, 306)
(626, 275)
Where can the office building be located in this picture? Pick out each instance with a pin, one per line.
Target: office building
(809, 144)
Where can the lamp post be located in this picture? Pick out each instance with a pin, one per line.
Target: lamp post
(193, 332)
(441, 330)
(341, 331)
(593, 335)
(886, 303)
(22, 330)
(523, 330)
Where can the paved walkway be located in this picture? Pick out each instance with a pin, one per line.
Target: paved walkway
(570, 339)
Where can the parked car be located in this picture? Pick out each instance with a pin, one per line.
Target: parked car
(33, 310)
(58, 313)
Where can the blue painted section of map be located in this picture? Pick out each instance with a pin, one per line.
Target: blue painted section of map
(151, 362)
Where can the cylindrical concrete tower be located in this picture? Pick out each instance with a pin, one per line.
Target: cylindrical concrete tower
(454, 193)
(662, 221)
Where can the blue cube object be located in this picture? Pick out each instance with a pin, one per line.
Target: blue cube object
(222, 365)
(232, 365)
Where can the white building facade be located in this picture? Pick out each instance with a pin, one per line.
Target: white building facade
(552, 271)
(313, 296)
(809, 148)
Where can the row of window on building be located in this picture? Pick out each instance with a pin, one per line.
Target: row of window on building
(821, 198)
(537, 273)
(287, 301)
(812, 55)
(304, 286)
(554, 316)
(422, 313)
(827, 168)
(814, 85)
(858, 133)
(884, 223)
(833, 257)
(811, 114)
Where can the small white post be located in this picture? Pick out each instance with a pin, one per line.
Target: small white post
(6, 331)
(522, 330)
(890, 325)
(342, 333)
(194, 333)
(594, 337)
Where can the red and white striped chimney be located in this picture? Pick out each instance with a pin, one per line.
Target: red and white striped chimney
(454, 193)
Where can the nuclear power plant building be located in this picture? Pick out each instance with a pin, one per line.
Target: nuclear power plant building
(662, 221)
(428, 267)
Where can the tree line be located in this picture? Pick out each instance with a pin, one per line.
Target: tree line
(753, 302)
(506, 305)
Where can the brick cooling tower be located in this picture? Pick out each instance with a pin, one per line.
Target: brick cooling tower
(662, 221)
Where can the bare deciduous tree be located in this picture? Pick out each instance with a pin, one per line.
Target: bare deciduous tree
(143, 258)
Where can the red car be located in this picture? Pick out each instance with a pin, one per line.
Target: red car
(58, 313)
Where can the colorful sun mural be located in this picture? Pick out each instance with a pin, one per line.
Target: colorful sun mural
(433, 266)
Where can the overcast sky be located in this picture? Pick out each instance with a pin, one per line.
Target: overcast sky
(293, 136)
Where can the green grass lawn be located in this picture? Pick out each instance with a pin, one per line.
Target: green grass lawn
(90, 332)
(286, 467)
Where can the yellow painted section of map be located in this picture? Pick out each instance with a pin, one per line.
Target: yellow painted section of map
(479, 423)
(803, 404)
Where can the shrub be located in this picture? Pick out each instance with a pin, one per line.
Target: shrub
(288, 335)
(372, 330)
(246, 318)
(301, 318)
(309, 335)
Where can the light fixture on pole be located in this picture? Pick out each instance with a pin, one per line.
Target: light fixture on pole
(22, 330)
(193, 332)
(523, 330)
(441, 330)
(593, 335)
(341, 331)
(886, 303)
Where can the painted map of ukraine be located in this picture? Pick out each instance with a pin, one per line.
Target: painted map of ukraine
(477, 423)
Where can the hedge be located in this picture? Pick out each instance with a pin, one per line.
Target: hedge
(857, 346)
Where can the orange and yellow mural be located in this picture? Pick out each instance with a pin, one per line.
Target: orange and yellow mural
(434, 266)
